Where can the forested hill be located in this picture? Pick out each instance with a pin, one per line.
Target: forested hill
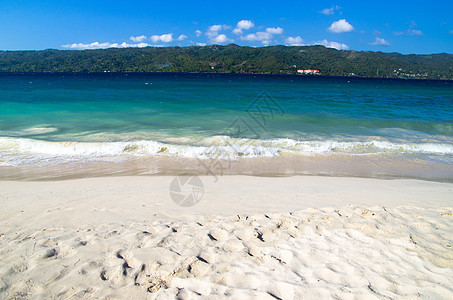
(233, 59)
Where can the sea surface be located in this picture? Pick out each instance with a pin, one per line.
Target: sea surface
(63, 125)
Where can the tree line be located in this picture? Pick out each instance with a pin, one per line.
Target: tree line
(232, 59)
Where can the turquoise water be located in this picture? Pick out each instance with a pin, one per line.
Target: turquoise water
(60, 118)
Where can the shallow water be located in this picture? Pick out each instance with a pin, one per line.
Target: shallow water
(65, 122)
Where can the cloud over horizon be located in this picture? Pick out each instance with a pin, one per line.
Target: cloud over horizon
(265, 37)
(221, 39)
(166, 38)
(243, 25)
(407, 28)
(218, 34)
(215, 37)
(380, 42)
(294, 41)
(336, 45)
(341, 26)
(97, 45)
(138, 39)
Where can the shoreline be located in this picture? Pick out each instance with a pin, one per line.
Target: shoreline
(284, 165)
(230, 73)
(262, 237)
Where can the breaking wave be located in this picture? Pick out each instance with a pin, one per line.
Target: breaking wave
(14, 151)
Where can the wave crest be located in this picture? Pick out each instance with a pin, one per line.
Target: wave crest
(212, 147)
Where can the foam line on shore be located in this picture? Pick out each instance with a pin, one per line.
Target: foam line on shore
(17, 151)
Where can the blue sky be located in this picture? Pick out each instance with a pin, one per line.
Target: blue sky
(389, 26)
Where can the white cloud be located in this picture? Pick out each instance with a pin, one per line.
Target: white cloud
(243, 25)
(380, 42)
(330, 11)
(340, 26)
(409, 32)
(166, 38)
(198, 33)
(201, 44)
(294, 41)
(415, 32)
(220, 39)
(215, 37)
(139, 45)
(274, 30)
(261, 36)
(265, 37)
(327, 11)
(213, 31)
(237, 31)
(138, 39)
(336, 45)
(97, 45)
(182, 37)
(215, 28)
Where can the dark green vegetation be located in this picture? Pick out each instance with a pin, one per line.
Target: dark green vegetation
(231, 59)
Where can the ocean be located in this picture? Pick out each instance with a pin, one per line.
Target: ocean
(66, 125)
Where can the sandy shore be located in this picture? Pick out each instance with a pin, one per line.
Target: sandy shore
(248, 237)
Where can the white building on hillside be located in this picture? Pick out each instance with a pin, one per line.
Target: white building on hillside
(308, 71)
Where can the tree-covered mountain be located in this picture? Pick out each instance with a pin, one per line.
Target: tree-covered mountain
(233, 59)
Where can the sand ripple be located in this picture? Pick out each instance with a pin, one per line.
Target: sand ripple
(349, 252)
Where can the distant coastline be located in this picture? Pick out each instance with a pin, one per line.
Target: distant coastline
(233, 59)
(320, 76)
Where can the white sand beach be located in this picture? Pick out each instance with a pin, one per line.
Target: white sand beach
(249, 237)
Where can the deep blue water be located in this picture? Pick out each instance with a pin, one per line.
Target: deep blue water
(55, 117)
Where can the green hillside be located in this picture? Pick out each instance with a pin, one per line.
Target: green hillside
(231, 59)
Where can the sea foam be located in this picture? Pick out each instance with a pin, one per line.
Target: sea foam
(223, 147)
